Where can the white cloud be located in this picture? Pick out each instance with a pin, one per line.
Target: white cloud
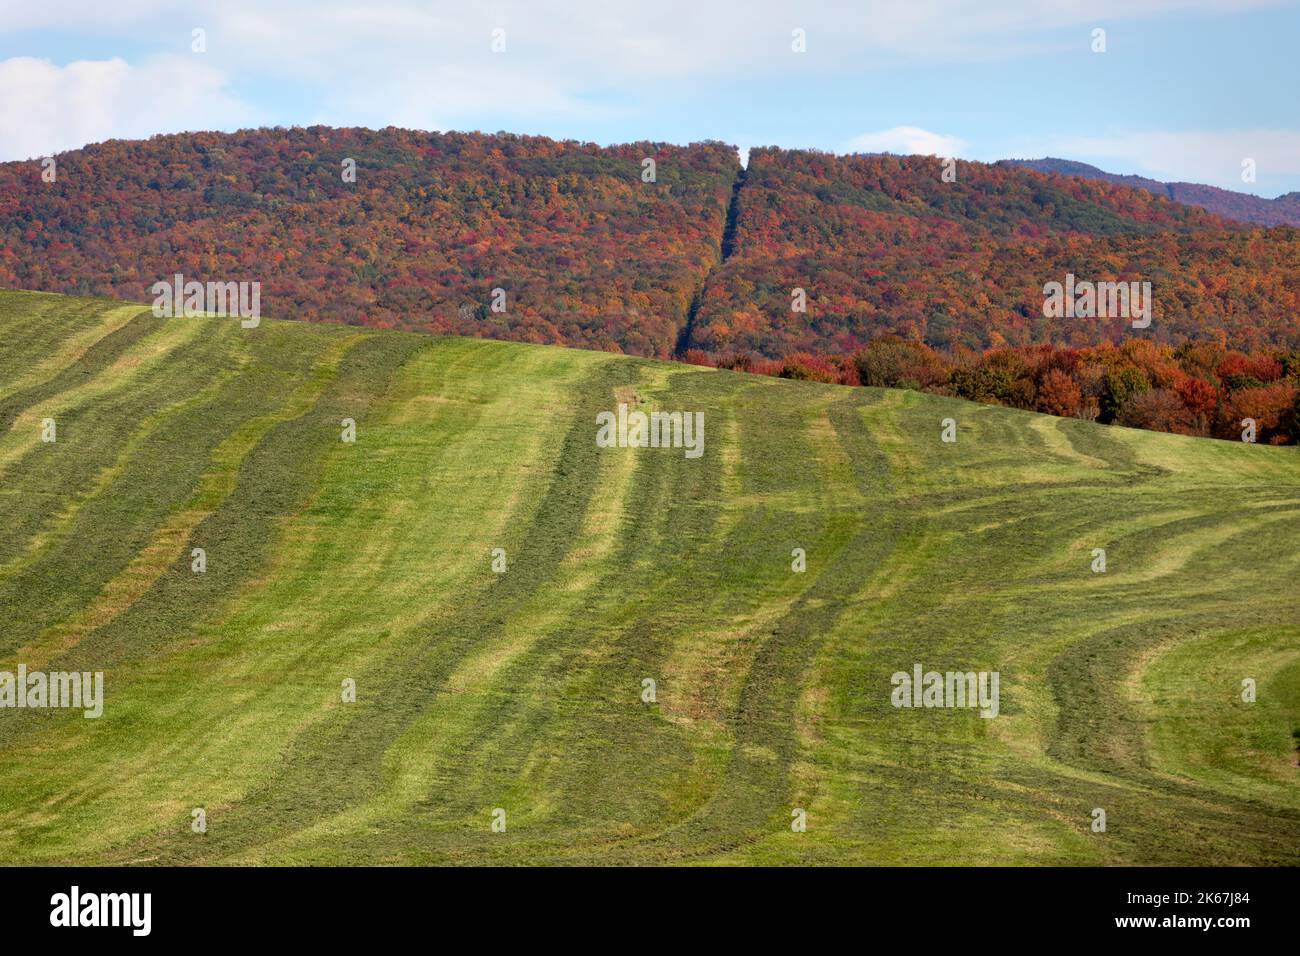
(670, 37)
(427, 62)
(46, 108)
(909, 141)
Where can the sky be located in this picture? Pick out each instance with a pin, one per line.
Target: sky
(1184, 90)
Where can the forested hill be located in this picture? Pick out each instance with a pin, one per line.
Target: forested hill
(882, 244)
(586, 252)
(646, 248)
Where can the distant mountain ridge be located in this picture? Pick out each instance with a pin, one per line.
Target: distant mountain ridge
(1243, 207)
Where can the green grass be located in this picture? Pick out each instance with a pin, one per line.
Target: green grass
(522, 690)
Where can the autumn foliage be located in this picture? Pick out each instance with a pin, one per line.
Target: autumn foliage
(587, 253)
(1139, 384)
(904, 278)
(882, 245)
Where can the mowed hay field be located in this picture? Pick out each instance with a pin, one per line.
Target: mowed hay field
(523, 691)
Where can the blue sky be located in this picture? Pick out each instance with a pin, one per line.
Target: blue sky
(1185, 90)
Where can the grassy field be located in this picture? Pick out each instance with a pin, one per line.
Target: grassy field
(523, 691)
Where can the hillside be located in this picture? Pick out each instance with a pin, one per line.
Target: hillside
(1243, 207)
(587, 254)
(372, 561)
(881, 244)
